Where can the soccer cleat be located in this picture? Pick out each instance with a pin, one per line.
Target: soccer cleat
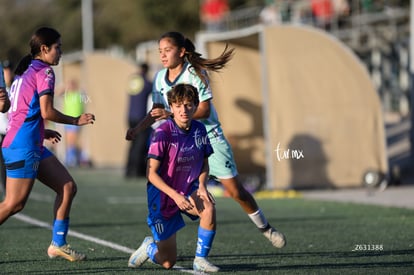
(66, 252)
(275, 237)
(139, 257)
(202, 265)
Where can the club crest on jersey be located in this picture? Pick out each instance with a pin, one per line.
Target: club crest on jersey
(49, 75)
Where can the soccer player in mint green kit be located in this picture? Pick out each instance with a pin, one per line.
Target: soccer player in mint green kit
(182, 64)
(177, 172)
(26, 159)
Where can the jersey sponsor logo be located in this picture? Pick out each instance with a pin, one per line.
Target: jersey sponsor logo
(185, 149)
(200, 140)
(185, 159)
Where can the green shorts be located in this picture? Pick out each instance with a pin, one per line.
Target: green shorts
(221, 162)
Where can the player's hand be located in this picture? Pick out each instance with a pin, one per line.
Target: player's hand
(202, 192)
(84, 119)
(183, 203)
(3, 94)
(159, 113)
(52, 136)
(4, 100)
(131, 133)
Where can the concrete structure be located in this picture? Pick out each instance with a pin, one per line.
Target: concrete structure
(103, 77)
(297, 104)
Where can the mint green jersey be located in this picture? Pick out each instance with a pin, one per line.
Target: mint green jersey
(187, 76)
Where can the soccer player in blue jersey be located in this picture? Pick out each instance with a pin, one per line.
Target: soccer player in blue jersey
(182, 64)
(177, 173)
(26, 159)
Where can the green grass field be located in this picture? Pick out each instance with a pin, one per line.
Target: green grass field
(109, 220)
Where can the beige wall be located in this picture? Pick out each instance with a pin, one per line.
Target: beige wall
(104, 79)
(303, 91)
(238, 98)
(321, 109)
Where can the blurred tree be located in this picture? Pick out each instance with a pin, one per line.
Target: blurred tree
(116, 23)
(121, 23)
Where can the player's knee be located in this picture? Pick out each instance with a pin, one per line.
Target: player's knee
(70, 188)
(209, 208)
(168, 264)
(14, 208)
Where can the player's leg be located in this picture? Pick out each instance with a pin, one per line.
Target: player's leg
(238, 193)
(249, 205)
(162, 247)
(223, 166)
(53, 174)
(162, 252)
(166, 254)
(205, 209)
(21, 168)
(17, 193)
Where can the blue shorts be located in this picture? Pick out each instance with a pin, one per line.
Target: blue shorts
(163, 228)
(24, 163)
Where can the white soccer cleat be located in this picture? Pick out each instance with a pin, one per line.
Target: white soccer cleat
(275, 237)
(202, 265)
(139, 257)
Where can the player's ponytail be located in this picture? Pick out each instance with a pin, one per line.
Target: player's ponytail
(200, 64)
(23, 64)
(42, 36)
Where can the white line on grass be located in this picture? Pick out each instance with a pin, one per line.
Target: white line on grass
(76, 234)
(32, 221)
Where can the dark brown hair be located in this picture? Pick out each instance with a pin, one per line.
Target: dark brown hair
(194, 58)
(42, 36)
(181, 92)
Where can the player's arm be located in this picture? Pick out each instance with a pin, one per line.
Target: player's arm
(4, 101)
(152, 170)
(49, 112)
(203, 110)
(145, 123)
(157, 112)
(203, 178)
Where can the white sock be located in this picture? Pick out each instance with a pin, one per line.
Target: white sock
(258, 219)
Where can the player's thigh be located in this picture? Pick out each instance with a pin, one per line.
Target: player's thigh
(53, 173)
(18, 190)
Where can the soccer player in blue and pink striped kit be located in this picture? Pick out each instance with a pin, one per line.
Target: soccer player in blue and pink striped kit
(26, 159)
